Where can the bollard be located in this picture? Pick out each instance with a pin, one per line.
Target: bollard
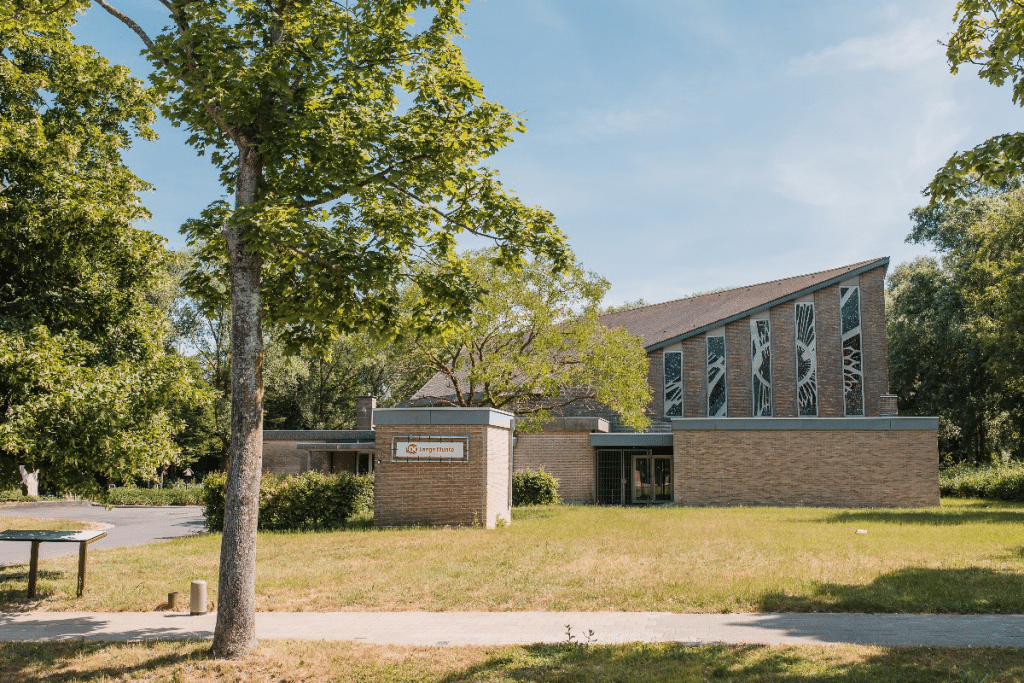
(172, 600)
(197, 599)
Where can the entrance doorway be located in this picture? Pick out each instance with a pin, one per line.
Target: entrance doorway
(633, 476)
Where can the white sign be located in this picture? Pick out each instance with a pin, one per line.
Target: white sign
(423, 448)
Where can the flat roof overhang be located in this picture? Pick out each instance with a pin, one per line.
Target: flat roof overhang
(804, 423)
(350, 446)
(629, 440)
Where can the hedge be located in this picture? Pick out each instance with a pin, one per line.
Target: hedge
(996, 482)
(534, 488)
(309, 501)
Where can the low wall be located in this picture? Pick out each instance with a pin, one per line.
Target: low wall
(851, 462)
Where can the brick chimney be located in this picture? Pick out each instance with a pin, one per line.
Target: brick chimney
(364, 412)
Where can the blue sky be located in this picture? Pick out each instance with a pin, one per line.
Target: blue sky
(687, 145)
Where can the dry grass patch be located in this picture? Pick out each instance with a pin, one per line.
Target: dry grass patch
(48, 524)
(321, 662)
(963, 557)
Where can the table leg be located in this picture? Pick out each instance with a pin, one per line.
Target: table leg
(82, 550)
(33, 569)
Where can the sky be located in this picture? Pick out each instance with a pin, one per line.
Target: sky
(685, 145)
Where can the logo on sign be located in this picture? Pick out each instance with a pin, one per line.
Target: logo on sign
(412, 448)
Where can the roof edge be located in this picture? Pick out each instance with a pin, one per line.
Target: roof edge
(879, 263)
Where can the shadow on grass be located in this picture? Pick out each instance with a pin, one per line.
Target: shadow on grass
(914, 590)
(23, 661)
(746, 663)
(14, 586)
(930, 517)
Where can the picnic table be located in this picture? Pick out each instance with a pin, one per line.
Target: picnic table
(37, 536)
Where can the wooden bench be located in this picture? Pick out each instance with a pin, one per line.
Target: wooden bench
(82, 538)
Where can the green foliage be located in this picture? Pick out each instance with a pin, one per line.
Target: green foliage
(990, 35)
(964, 321)
(994, 482)
(87, 389)
(534, 488)
(310, 501)
(168, 495)
(533, 345)
(368, 136)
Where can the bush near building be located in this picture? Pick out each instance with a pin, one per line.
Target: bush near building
(995, 482)
(169, 495)
(306, 502)
(534, 488)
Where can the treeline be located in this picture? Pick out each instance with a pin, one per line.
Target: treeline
(956, 324)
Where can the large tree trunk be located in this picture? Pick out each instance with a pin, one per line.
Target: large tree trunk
(235, 633)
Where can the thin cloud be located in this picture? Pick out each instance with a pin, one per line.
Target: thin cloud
(910, 47)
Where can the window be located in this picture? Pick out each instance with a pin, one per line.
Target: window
(716, 376)
(761, 367)
(806, 362)
(853, 360)
(673, 384)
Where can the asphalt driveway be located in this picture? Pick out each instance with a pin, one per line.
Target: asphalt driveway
(125, 526)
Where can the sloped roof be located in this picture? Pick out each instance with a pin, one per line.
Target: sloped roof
(659, 325)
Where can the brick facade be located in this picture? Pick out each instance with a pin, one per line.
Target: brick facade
(737, 368)
(476, 492)
(876, 349)
(783, 337)
(566, 455)
(845, 468)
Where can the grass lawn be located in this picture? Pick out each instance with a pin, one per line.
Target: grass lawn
(316, 662)
(963, 557)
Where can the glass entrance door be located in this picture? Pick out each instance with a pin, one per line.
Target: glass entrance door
(652, 479)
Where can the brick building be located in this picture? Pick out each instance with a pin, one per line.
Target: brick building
(775, 393)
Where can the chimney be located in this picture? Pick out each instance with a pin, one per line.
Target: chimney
(364, 412)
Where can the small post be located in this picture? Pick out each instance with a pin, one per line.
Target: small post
(172, 600)
(197, 598)
(33, 569)
(83, 549)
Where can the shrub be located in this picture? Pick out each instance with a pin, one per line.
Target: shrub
(308, 501)
(165, 496)
(534, 488)
(15, 496)
(996, 482)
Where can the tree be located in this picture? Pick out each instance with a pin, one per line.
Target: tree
(353, 146)
(974, 307)
(936, 365)
(533, 345)
(86, 389)
(990, 35)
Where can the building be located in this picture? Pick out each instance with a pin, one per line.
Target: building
(775, 393)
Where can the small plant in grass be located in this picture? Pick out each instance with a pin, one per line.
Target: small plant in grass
(534, 488)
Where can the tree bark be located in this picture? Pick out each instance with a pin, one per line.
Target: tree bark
(29, 481)
(235, 632)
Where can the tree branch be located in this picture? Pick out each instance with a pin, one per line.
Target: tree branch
(126, 20)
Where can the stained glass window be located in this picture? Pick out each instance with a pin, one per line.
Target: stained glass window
(673, 384)
(716, 376)
(806, 361)
(761, 367)
(853, 360)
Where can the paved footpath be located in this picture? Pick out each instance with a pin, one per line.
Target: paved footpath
(500, 628)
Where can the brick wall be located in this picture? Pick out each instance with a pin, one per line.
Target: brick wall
(439, 493)
(656, 381)
(844, 468)
(828, 340)
(568, 456)
(737, 368)
(695, 378)
(282, 457)
(783, 338)
(873, 342)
